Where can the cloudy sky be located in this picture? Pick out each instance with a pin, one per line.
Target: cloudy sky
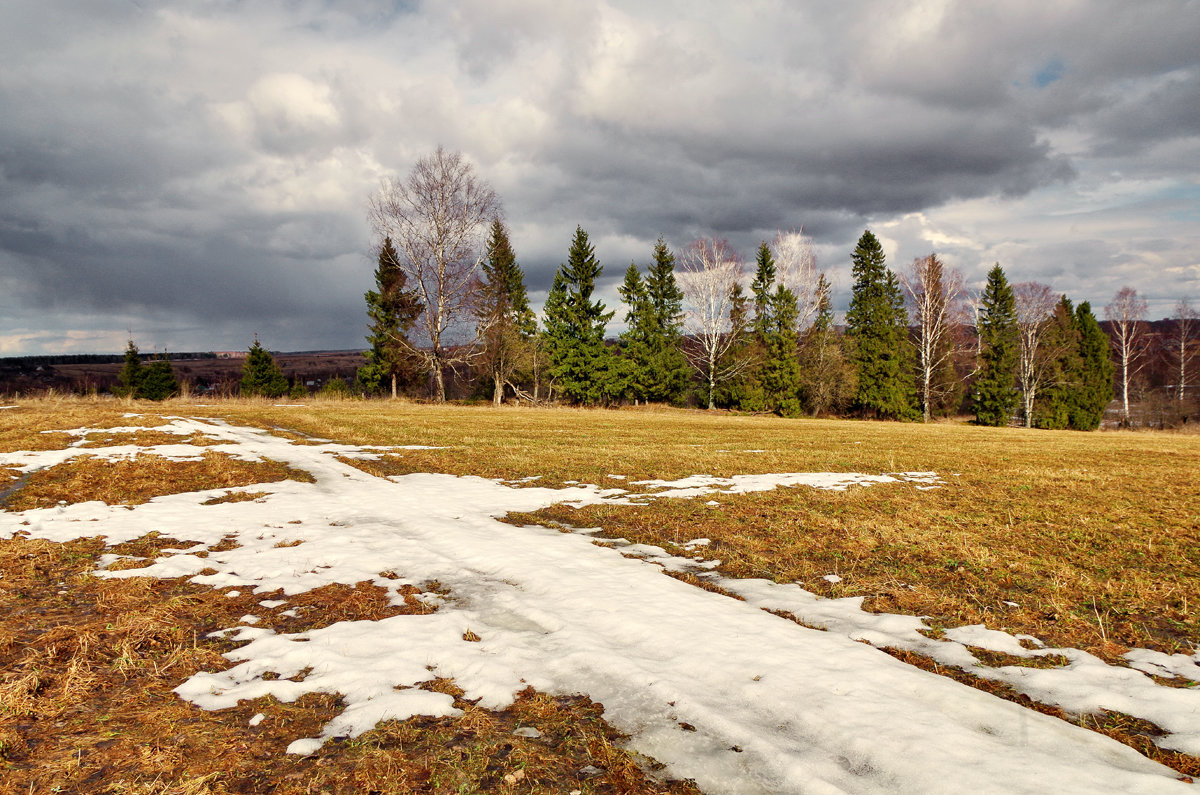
(196, 173)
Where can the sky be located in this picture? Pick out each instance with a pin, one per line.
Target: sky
(195, 174)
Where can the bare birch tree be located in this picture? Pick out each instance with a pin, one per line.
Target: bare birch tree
(709, 270)
(1181, 345)
(796, 269)
(437, 218)
(1127, 314)
(935, 298)
(1035, 306)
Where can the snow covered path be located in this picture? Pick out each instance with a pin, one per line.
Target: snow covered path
(769, 705)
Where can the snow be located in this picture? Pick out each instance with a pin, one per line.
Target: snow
(564, 612)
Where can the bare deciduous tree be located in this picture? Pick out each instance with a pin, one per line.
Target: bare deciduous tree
(935, 298)
(796, 269)
(1035, 307)
(1182, 344)
(709, 270)
(1127, 313)
(437, 218)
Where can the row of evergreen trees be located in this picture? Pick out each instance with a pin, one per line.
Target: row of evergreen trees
(869, 368)
(261, 376)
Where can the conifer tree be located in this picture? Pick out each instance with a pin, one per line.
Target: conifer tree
(995, 393)
(656, 368)
(507, 325)
(1096, 372)
(878, 325)
(131, 374)
(827, 377)
(393, 310)
(1064, 369)
(158, 381)
(261, 376)
(584, 369)
(669, 367)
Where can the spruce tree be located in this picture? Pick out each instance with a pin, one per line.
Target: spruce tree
(637, 369)
(584, 369)
(655, 366)
(131, 374)
(1063, 385)
(1096, 372)
(878, 325)
(669, 369)
(507, 325)
(995, 393)
(393, 310)
(261, 376)
(158, 381)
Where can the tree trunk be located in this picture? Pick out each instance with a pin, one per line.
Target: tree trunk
(439, 381)
(498, 391)
(393, 386)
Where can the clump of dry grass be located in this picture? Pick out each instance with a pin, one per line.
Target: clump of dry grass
(134, 481)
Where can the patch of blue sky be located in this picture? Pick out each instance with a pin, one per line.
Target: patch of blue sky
(1050, 72)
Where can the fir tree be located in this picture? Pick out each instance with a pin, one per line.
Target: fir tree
(1096, 372)
(995, 393)
(656, 369)
(583, 368)
(827, 377)
(393, 310)
(1063, 383)
(878, 325)
(507, 325)
(669, 369)
(158, 381)
(261, 376)
(131, 374)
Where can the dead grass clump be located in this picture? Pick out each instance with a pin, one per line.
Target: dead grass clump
(998, 659)
(148, 438)
(135, 481)
(235, 496)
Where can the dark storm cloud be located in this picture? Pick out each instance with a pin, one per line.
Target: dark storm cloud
(206, 169)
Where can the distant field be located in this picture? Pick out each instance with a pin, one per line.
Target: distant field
(1089, 541)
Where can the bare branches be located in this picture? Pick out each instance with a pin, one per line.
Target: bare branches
(710, 272)
(1127, 313)
(1181, 346)
(436, 218)
(935, 297)
(1035, 305)
(796, 269)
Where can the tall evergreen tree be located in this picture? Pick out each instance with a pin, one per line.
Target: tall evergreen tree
(1061, 341)
(1096, 371)
(656, 368)
(584, 369)
(878, 325)
(827, 377)
(995, 392)
(393, 311)
(668, 365)
(507, 325)
(131, 374)
(261, 376)
(780, 373)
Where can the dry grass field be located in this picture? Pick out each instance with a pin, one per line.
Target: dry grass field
(1089, 541)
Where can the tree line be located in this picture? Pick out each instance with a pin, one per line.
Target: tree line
(703, 328)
